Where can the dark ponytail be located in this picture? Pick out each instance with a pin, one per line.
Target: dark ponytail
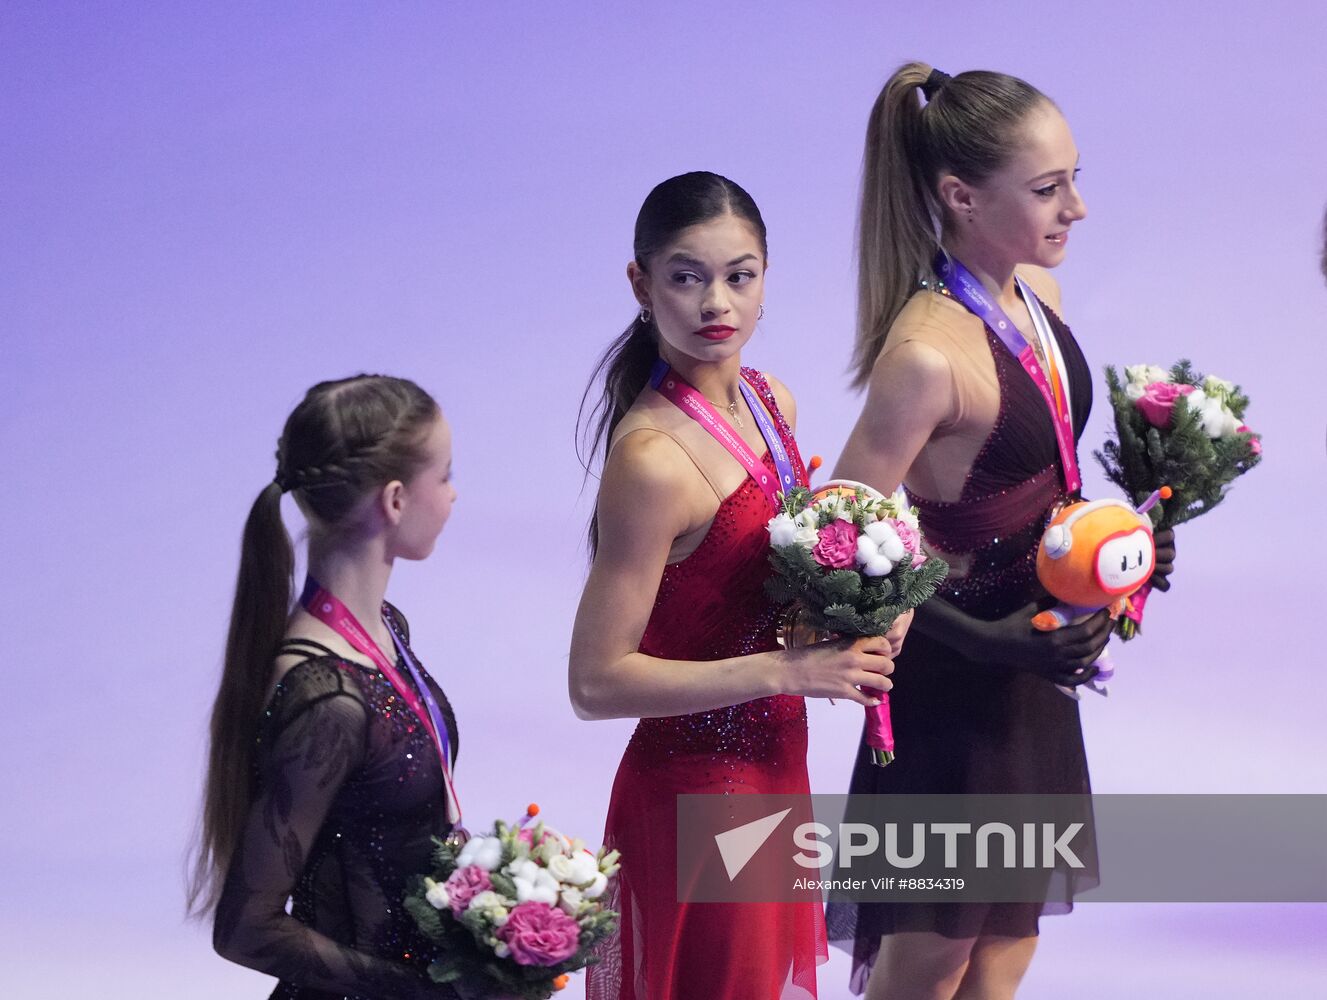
(969, 126)
(674, 205)
(345, 439)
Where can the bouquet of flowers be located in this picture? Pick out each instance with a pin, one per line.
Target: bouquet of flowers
(515, 910)
(1175, 427)
(851, 560)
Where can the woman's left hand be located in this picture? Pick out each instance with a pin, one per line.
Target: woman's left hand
(1165, 565)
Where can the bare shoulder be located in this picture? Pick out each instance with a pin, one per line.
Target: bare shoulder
(649, 477)
(1042, 282)
(912, 382)
(784, 397)
(913, 362)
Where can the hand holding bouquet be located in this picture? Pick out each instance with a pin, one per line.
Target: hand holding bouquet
(514, 911)
(1174, 427)
(851, 560)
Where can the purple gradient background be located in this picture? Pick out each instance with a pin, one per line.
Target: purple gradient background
(207, 209)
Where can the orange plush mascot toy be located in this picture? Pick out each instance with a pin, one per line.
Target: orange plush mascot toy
(1093, 555)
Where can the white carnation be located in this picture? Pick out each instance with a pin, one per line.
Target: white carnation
(782, 530)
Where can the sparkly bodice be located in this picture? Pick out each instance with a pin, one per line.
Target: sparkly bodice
(348, 792)
(712, 605)
(1011, 485)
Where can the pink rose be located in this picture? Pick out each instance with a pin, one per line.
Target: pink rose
(837, 547)
(464, 884)
(1255, 442)
(1157, 402)
(539, 934)
(912, 541)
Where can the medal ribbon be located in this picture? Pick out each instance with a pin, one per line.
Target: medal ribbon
(969, 291)
(677, 391)
(328, 609)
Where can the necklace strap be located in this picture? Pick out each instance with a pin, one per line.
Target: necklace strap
(963, 285)
(685, 397)
(328, 609)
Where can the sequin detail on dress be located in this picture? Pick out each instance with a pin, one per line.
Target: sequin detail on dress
(968, 727)
(710, 605)
(347, 794)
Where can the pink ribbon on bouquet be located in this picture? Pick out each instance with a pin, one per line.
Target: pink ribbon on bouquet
(879, 728)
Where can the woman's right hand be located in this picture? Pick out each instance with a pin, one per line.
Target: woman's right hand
(1064, 656)
(838, 669)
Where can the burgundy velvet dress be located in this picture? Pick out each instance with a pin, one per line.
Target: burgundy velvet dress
(710, 605)
(963, 726)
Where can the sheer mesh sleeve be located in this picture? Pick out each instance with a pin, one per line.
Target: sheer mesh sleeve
(314, 742)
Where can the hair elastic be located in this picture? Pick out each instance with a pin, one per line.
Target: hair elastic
(934, 83)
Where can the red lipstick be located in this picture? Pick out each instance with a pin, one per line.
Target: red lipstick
(716, 332)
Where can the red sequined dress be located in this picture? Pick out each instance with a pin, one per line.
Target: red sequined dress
(966, 727)
(710, 605)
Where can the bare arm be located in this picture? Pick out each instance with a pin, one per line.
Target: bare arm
(911, 395)
(647, 499)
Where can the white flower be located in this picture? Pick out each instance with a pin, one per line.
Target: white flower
(835, 505)
(906, 512)
(487, 899)
(1218, 387)
(1146, 374)
(782, 530)
(807, 536)
(879, 548)
(436, 894)
(1213, 413)
(560, 868)
(486, 852)
(502, 950)
(533, 883)
(579, 869)
(549, 849)
(597, 887)
(571, 901)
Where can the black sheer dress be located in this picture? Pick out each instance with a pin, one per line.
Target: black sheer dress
(348, 791)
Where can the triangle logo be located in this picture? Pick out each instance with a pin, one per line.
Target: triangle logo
(738, 845)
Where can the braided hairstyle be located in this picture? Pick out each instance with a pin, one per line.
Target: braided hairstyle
(346, 439)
